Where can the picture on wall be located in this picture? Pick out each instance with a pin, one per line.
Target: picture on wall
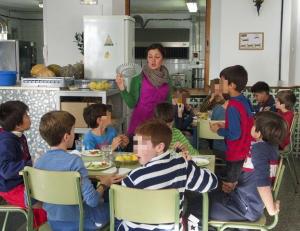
(251, 41)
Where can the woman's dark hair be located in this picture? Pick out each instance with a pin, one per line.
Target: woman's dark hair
(157, 131)
(11, 114)
(92, 112)
(157, 46)
(165, 112)
(272, 127)
(54, 125)
(236, 74)
(260, 87)
(287, 97)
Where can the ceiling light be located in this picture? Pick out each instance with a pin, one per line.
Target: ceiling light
(40, 3)
(192, 6)
(89, 2)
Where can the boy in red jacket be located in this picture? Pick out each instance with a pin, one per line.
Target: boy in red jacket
(238, 123)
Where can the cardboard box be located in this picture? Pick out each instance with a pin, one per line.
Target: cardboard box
(76, 109)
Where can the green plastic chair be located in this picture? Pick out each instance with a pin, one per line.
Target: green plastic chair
(288, 152)
(53, 187)
(7, 209)
(144, 205)
(259, 224)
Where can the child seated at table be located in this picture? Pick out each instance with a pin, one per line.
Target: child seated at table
(261, 93)
(253, 190)
(98, 118)
(14, 155)
(165, 112)
(57, 129)
(160, 170)
(284, 102)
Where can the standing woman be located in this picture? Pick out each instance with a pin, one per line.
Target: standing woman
(147, 89)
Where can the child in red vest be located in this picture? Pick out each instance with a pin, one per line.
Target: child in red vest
(284, 102)
(238, 123)
(14, 155)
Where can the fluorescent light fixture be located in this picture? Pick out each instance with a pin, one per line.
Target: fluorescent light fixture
(192, 6)
(89, 2)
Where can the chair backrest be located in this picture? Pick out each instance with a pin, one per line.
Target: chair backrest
(54, 187)
(144, 205)
(278, 178)
(205, 132)
(293, 126)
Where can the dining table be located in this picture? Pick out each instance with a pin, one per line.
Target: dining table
(203, 161)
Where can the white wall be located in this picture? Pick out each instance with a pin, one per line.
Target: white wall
(295, 44)
(62, 19)
(241, 16)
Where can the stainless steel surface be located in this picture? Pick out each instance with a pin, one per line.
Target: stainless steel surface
(197, 78)
(17, 56)
(179, 80)
(47, 82)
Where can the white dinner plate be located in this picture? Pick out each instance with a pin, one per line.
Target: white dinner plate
(97, 165)
(200, 161)
(93, 152)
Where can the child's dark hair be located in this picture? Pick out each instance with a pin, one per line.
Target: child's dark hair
(92, 112)
(11, 114)
(54, 125)
(223, 73)
(165, 112)
(238, 75)
(157, 46)
(260, 87)
(287, 97)
(272, 127)
(158, 132)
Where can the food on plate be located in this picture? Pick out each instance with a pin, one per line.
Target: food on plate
(97, 165)
(126, 158)
(36, 69)
(56, 69)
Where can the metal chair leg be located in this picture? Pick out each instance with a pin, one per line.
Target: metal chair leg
(294, 167)
(292, 175)
(5, 221)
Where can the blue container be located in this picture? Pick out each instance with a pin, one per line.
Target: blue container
(8, 78)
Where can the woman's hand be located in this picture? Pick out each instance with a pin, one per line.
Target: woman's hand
(120, 82)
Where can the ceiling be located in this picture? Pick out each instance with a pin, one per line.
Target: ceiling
(137, 6)
(20, 5)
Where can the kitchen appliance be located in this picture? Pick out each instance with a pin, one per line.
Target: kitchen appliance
(108, 43)
(17, 56)
(61, 82)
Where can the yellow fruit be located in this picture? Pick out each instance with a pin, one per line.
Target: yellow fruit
(93, 85)
(134, 158)
(120, 158)
(36, 69)
(99, 86)
(127, 158)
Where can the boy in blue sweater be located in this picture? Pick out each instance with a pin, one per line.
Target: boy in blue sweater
(14, 155)
(57, 129)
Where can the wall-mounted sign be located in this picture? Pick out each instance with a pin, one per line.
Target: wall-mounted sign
(251, 41)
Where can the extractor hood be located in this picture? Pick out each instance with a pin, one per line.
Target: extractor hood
(168, 37)
(175, 40)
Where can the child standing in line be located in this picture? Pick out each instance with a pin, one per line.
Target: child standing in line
(265, 101)
(57, 129)
(238, 124)
(14, 155)
(98, 118)
(165, 112)
(285, 101)
(253, 191)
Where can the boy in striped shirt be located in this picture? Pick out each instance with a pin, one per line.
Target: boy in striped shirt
(160, 170)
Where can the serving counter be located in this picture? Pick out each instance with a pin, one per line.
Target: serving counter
(41, 100)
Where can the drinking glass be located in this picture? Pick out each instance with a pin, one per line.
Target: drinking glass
(107, 150)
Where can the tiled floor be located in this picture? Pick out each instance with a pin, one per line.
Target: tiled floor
(289, 218)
